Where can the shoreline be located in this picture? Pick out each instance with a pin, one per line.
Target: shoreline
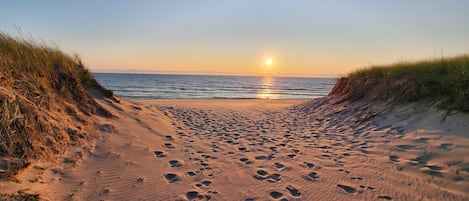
(213, 99)
(210, 100)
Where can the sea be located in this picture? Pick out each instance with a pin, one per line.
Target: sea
(162, 86)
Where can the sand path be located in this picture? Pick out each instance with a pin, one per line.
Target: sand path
(261, 150)
(264, 150)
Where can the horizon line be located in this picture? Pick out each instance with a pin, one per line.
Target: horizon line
(210, 73)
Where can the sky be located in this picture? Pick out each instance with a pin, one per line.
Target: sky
(302, 37)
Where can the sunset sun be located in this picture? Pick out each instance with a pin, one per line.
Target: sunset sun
(268, 62)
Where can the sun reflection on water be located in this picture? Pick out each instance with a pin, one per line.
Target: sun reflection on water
(267, 91)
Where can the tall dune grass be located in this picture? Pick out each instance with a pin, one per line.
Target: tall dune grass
(445, 80)
(43, 102)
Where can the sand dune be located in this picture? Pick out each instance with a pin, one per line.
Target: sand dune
(65, 137)
(261, 150)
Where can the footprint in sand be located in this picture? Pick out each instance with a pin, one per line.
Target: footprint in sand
(104, 192)
(159, 154)
(192, 195)
(262, 157)
(168, 138)
(275, 194)
(168, 145)
(394, 158)
(273, 178)
(243, 149)
(171, 177)
(191, 173)
(432, 172)
(434, 167)
(204, 165)
(292, 156)
(245, 161)
(384, 197)
(264, 175)
(422, 159)
(405, 147)
(312, 176)
(293, 191)
(282, 144)
(206, 183)
(273, 149)
(308, 165)
(260, 174)
(347, 189)
(279, 166)
(175, 163)
(140, 180)
(446, 146)
(345, 171)
(422, 140)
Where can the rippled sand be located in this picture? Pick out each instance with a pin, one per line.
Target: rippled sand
(264, 150)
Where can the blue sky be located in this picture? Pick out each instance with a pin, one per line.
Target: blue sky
(305, 38)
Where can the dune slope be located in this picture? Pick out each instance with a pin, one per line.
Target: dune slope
(44, 105)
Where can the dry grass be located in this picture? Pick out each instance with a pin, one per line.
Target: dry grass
(39, 85)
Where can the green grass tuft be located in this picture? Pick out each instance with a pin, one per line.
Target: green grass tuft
(445, 80)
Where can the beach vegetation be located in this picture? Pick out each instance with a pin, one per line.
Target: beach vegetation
(44, 101)
(445, 80)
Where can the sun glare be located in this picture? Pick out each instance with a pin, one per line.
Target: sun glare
(267, 91)
(268, 62)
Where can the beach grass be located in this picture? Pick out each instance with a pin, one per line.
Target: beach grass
(19, 55)
(43, 91)
(443, 79)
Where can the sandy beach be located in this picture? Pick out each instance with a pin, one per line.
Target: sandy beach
(234, 101)
(250, 149)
